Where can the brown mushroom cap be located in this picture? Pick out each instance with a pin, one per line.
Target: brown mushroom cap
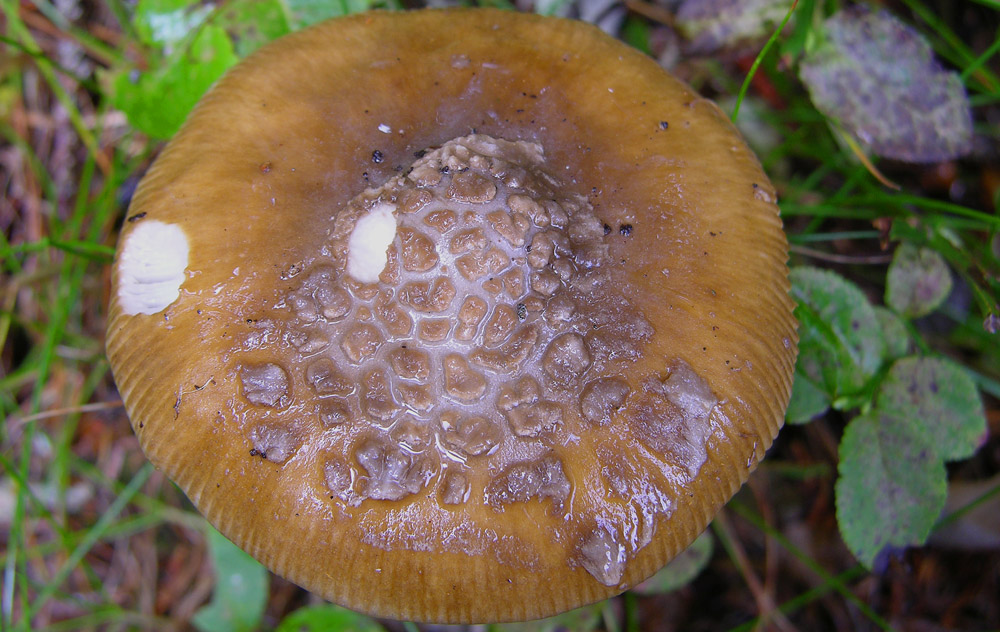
(576, 349)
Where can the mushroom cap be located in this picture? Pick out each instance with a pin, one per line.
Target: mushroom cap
(656, 375)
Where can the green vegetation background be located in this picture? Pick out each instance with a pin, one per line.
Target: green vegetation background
(890, 205)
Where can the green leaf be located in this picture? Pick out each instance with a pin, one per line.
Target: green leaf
(157, 102)
(877, 78)
(303, 13)
(252, 23)
(550, 7)
(712, 24)
(892, 485)
(327, 618)
(840, 340)
(240, 589)
(918, 281)
(800, 30)
(808, 401)
(941, 402)
(897, 338)
(681, 570)
(165, 23)
(635, 33)
(582, 619)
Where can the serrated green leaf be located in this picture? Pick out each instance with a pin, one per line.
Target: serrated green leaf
(840, 341)
(681, 570)
(712, 24)
(240, 589)
(892, 486)
(157, 102)
(327, 618)
(940, 401)
(918, 281)
(897, 338)
(877, 78)
(252, 23)
(582, 619)
(808, 401)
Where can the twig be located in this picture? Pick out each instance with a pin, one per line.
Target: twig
(42, 23)
(770, 553)
(17, 422)
(848, 259)
(651, 11)
(768, 610)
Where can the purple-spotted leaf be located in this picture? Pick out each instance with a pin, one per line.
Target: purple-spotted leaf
(808, 401)
(918, 281)
(941, 403)
(897, 339)
(840, 339)
(892, 485)
(682, 569)
(582, 619)
(878, 78)
(712, 24)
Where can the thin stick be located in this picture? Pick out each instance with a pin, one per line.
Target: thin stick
(651, 11)
(766, 606)
(848, 259)
(17, 422)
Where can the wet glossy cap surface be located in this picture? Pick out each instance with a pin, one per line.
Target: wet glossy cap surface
(459, 316)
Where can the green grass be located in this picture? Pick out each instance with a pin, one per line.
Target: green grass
(63, 429)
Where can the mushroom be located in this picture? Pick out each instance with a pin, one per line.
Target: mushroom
(454, 315)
